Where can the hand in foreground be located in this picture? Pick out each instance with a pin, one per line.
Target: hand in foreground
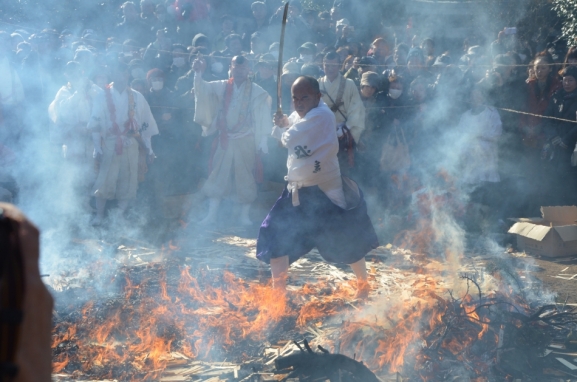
(557, 141)
(281, 120)
(33, 356)
(199, 65)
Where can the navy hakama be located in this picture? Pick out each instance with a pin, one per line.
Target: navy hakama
(341, 235)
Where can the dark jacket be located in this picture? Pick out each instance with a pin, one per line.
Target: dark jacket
(537, 102)
(166, 115)
(563, 105)
(157, 58)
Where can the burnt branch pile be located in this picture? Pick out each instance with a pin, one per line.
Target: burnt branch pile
(180, 316)
(494, 335)
(308, 366)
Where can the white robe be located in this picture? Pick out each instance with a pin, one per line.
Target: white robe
(313, 146)
(233, 167)
(70, 111)
(118, 174)
(352, 108)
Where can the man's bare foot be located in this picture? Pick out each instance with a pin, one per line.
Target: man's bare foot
(208, 221)
(363, 289)
(96, 221)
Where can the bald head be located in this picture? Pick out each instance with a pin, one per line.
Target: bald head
(306, 95)
(239, 69)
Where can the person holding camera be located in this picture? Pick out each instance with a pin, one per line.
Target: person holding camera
(343, 98)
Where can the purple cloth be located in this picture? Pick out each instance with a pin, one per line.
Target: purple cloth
(341, 236)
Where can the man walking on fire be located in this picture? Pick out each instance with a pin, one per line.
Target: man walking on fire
(319, 208)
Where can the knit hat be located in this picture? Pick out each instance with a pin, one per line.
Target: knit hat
(311, 70)
(416, 52)
(199, 39)
(291, 68)
(570, 71)
(370, 79)
(257, 4)
(367, 61)
(266, 59)
(307, 46)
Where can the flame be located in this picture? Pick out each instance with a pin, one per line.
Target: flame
(172, 246)
(190, 317)
(201, 313)
(59, 366)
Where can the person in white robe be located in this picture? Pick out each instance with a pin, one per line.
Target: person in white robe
(70, 111)
(239, 112)
(342, 96)
(121, 123)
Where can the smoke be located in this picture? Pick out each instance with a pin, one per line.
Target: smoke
(59, 204)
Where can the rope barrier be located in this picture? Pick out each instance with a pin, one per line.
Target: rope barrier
(410, 107)
(535, 115)
(378, 65)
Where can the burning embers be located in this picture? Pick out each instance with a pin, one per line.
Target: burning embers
(202, 317)
(414, 324)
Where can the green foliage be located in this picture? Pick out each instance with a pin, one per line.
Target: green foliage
(567, 12)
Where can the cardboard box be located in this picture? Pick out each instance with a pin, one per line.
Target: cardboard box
(552, 235)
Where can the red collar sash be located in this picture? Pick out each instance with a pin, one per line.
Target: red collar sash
(222, 124)
(130, 126)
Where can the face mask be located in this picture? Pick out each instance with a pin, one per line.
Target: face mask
(275, 54)
(217, 67)
(157, 85)
(138, 74)
(395, 93)
(178, 61)
(306, 57)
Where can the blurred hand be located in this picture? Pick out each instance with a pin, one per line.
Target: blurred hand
(34, 355)
(199, 65)
(348, 31)
(557, 141)
(281, 120)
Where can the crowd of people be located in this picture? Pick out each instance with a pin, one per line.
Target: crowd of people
(150, 101)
